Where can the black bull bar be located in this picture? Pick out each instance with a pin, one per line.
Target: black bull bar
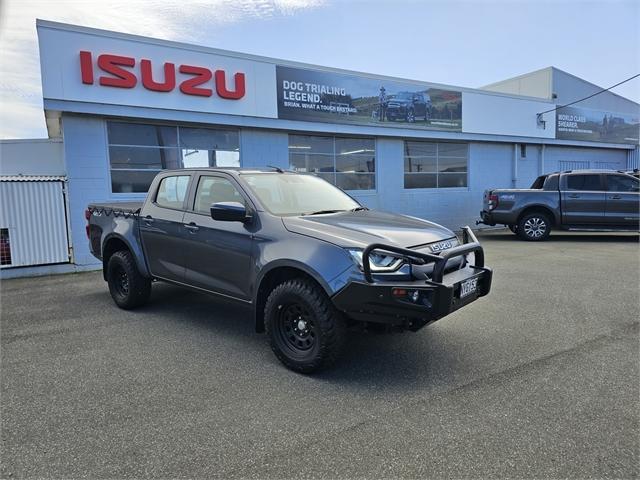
(470, 244)
(412, 304)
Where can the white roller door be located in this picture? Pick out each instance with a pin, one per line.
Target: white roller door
(575, 158)
(33, 224)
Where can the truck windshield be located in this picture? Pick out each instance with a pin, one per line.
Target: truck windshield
(286, 194)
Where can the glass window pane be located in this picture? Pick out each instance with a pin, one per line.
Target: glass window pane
(215, 190)
(619, 183)
(584, 182)
(193, 158)
(347, 146)
(452, 164)
(226, 158)
(420, 164)
(310, 144)
(355, 163)
(143, 157)
(122, 133)
(420, 180)
(356, 181)
(311, 163)
(172, 191)
(452, 150)
(420, 149)
(329, 177)
(449, 180)
(209, 139)
(132, 181)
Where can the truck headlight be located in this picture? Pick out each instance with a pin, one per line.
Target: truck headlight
(378, 262)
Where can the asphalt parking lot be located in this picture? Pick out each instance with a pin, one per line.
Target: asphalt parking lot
(540, 379)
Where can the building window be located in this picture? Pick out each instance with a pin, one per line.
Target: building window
(347, 162)
(523, 150)
(137, 152)
(435, 164)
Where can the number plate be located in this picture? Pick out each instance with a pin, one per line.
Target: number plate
(468, 287)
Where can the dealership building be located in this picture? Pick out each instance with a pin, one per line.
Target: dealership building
(120, 108)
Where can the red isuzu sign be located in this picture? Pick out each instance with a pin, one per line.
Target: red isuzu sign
(195, 80)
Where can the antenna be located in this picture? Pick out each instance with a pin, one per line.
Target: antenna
(277, 169)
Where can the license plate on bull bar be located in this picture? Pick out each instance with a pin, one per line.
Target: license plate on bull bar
(468, 287)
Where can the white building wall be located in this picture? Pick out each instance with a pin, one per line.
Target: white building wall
(534, 84)
(32, 157)
(86, 152)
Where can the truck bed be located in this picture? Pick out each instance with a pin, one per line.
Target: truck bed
(116, 208)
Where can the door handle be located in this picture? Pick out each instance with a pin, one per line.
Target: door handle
(192, 227)
(148, 220)
(615, 197)
(574, 195)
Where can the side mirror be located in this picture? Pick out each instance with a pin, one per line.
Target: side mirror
(229, 212)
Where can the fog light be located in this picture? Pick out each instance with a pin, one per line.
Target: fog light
(415, 296)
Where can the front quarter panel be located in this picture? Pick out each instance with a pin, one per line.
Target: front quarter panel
(323, 261)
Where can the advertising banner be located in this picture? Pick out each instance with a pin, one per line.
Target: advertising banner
(317, 96)
(575, 123)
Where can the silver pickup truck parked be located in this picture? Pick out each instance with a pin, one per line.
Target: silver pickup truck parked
(589, 200)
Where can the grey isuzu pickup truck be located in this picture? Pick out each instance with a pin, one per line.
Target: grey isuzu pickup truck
(306, 257)
(587, 200)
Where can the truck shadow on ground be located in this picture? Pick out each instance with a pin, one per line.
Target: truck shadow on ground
(370, 361)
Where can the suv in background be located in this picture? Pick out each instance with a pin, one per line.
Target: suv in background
(408, 105)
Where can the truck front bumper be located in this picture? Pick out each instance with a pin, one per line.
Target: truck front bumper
(414, 304)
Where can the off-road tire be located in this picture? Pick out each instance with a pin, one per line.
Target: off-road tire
(128, 287)
(305, 330)
(534, 227)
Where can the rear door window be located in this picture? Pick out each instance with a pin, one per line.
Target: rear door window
(592, 182)
(172, 192)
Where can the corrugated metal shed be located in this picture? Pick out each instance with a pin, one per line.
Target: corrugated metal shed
(33, 221)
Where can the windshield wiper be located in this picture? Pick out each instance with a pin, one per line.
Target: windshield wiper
(320, 212)
(357, 209)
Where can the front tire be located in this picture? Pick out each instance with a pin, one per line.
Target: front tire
(305, 330)
(534, 227)
(128, 288)
(513, 228)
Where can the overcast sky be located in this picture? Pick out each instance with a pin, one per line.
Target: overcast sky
(462, 43)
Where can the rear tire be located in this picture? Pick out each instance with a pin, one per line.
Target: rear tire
(305, 330)
(534, 227)
(128, 288)
(513, 228)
